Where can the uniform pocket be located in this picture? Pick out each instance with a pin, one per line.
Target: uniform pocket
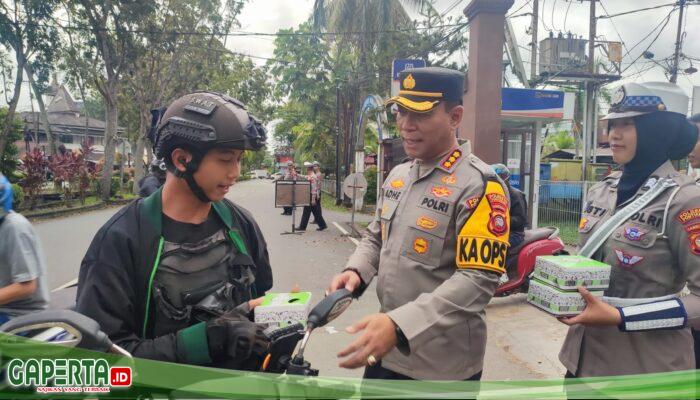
(422, 247)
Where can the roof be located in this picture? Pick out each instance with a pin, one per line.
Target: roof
(571, 153)
(66, 123)
(63, 102)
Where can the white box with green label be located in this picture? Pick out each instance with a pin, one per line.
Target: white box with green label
(556, 301)
(284, 309)
(570, 272)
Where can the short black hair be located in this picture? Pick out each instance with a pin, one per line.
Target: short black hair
(695, 118)
(450, 104)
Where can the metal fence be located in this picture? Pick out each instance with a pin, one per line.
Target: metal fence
(560, 204)
(328, 186)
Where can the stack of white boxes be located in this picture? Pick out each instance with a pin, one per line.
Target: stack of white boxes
(554, 283)
(283, 309)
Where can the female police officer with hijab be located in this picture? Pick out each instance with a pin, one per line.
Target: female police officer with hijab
(644, 223)
(167, 276)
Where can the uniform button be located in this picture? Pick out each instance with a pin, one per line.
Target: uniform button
(617, 235)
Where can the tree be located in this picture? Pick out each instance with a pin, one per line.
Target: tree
(8, 160)
(111, 46)
(34, 165)
(24, 29)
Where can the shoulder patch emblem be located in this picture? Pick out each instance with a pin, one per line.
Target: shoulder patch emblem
(420, 245)
(427, 223)
(397, 183)
(472, 202)
(498, 221)
(694, 239)
(449, 179)
(583, 224)
(627, 260)
(449, 161)
(441, 191)
(686, 216)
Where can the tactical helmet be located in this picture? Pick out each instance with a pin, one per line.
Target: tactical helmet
(206, 120)
(201, 121)
(633, 99)
(501, 170)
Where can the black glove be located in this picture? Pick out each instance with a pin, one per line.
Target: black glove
(236, 343)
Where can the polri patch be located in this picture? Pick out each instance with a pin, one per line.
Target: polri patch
(498, 220)
(694, 239)
(437, 205)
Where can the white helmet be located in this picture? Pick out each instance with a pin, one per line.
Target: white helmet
(308, 164)
(633, 99)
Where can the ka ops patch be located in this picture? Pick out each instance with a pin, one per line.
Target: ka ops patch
(479, 246)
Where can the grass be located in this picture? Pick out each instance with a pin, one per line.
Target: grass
(328, 203)
(568, 231)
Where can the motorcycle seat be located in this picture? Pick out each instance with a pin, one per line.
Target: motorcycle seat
(533, 235)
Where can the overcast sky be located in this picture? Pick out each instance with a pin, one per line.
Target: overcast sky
(272, 15)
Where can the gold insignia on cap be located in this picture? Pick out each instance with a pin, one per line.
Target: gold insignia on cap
(409, 82)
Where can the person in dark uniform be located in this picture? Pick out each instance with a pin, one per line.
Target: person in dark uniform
(174, 276)
(154, 180)
(518, 207)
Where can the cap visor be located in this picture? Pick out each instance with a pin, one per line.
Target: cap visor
(627, 114)
(415, 106)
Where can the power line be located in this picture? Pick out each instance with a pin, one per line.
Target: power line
(616, 31)
(544, 24)
(637, 10)
(663, 21)
(554, 6)
(668, 18)
(450, 8)
(566, 15)
(521, 7)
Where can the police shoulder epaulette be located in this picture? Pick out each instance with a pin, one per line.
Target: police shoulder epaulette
(450, 160)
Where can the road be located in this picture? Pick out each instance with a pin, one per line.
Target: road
(523, 342)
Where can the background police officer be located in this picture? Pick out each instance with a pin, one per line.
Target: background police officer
(149, 269)
(437, 245)
(644, 326)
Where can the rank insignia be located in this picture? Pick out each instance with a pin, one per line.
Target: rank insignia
(449, 179)
(627, 260)
(440, 191)
(420, 245)
(449, 161)
(472, 202)
(397, 183)
(427, 223)
(634, 234)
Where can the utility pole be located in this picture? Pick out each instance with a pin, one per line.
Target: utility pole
(338, 195)
(536, 129)
(677, 53)
(589, 122)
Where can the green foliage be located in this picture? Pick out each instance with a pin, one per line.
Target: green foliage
(8, 161)
(34, 165)
(558, 141)
(18, 194)
(371, 193)
(113, 187)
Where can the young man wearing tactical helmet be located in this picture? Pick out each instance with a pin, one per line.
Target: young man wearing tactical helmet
(171, 277)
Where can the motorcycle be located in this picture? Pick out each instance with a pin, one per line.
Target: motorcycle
(520, 260)
(71, 329)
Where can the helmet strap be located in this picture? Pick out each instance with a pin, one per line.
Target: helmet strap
(188, 175)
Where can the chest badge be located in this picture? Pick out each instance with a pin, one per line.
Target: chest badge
(634, 234)
(397, 183)
(420, 245)
(427, 223)
(449, 179)
(440, 191)
(627, 260)
(583, 224)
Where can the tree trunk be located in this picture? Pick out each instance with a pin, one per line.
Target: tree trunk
(42, 110)
(140, 170)
(110, 133)
(13, 104)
